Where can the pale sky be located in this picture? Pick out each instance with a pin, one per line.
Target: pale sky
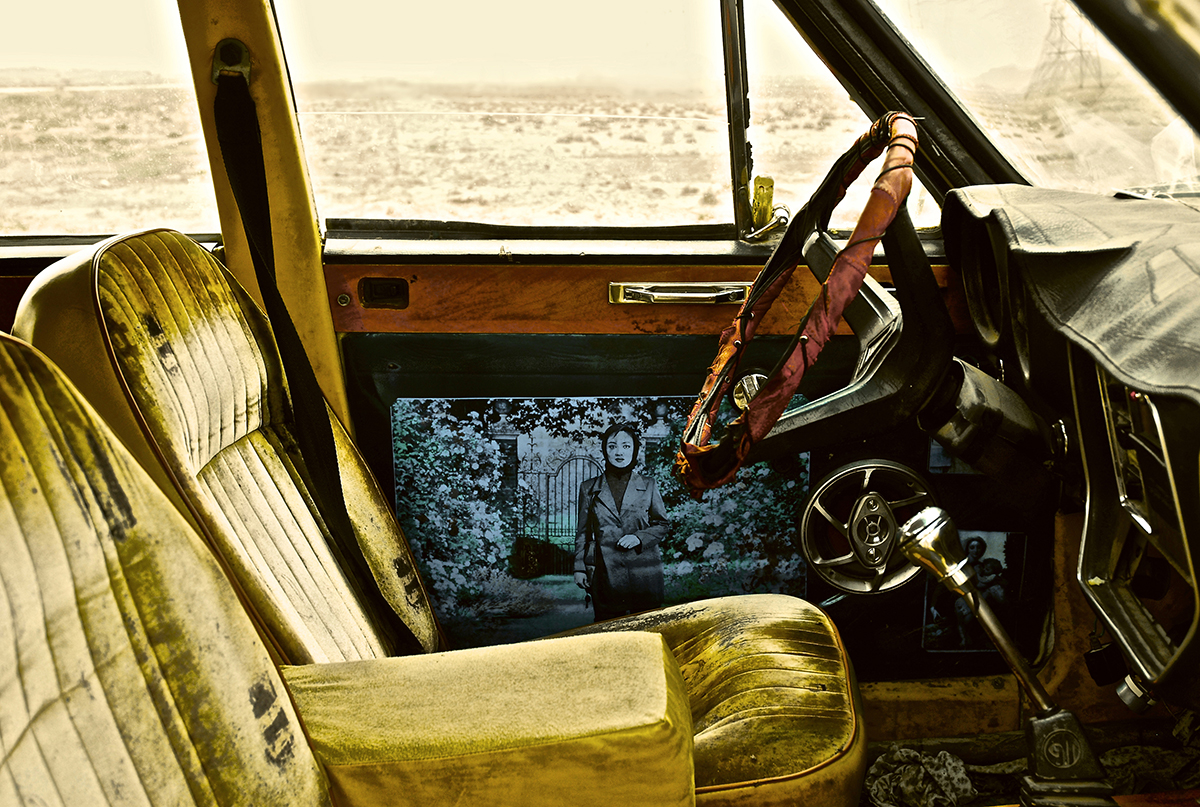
(476, 40)
(115, 35)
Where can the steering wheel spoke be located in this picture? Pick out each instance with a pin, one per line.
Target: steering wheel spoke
(841, 560)
(919, 498)
(838, 524)
(866, 482)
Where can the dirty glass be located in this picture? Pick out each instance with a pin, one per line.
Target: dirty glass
(802, 119)
(526, 113)
(96, 137)
(1062, 104)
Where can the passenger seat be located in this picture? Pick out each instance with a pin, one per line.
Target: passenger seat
(195, 388)
(130, 673)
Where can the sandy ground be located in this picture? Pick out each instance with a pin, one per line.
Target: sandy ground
(89, 159)
(96, 160)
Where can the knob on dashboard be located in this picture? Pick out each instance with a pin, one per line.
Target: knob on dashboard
(1134, 695)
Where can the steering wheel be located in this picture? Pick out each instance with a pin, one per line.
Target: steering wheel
(905, 344)
(905, 348)
(851, 522)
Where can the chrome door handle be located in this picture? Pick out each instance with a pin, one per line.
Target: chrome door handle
(660, 293)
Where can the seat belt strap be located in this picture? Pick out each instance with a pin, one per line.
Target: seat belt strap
(240, 140)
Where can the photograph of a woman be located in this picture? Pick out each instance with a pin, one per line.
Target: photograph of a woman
(950, 624)
(621, 524)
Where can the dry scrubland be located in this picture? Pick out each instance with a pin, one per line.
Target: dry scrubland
(563, 155)
(102, 160)
(88, 159)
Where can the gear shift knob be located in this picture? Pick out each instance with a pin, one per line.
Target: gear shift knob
(930, 540)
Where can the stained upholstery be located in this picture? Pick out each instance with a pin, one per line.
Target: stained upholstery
(129, 671)
(600, 719)
(195, 356)
(770, 691)
(774, 704)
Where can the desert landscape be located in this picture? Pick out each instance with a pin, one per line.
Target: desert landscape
(91, 158)
(79, 156)
(565, 155)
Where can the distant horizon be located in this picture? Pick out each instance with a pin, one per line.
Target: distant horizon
(36, 77)
(56, 76)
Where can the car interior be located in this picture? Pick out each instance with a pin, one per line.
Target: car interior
(294, 488)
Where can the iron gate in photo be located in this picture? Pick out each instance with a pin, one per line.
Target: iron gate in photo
(556, 492)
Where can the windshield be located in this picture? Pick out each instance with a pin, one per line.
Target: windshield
(1062, 104)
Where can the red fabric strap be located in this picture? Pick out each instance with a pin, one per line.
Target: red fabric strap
(702, 465)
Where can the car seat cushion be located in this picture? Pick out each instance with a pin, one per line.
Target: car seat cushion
(601, 719)
(773, 698)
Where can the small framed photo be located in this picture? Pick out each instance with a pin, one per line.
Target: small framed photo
(999, 562)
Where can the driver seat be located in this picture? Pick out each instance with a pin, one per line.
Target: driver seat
(194, 386)
(130, 672)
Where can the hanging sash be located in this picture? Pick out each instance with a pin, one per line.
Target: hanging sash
(700, 464)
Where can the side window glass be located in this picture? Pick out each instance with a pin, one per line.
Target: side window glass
(802, 119)
(97, 137)
(525, 113)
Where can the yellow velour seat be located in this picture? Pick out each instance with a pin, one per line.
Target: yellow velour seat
(597, 719)
(182, 363)
(194, 387)
(774, 705)
(130, 673)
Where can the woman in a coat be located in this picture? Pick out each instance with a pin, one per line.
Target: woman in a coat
(621, 523)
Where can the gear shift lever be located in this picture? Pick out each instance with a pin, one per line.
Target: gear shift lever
(930, 540)
(1063, 768)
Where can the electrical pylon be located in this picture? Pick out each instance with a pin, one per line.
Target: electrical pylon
(1070, 54)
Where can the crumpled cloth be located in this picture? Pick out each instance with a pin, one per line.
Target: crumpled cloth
(903, 777)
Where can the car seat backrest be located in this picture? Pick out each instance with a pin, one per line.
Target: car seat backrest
(188, 342)
(198, 362)
(129, 671)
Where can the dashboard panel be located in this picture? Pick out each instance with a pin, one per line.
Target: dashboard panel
(1136, 560)
(1111, 288)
